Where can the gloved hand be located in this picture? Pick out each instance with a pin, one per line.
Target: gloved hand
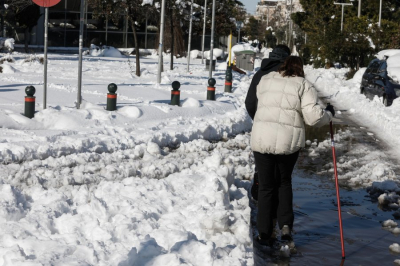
(329, 108)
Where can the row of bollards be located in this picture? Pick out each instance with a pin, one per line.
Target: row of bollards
(112, 96)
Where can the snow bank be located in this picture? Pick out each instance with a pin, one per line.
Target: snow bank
(105, 51)
(217, 53)
(144, 206)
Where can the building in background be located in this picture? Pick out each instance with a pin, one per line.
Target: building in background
(276, 12)
(63, 29)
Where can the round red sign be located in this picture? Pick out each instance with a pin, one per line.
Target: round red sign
(46, 3)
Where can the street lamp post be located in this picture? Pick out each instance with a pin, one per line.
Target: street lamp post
(79, 96)
(380, 13)
(239, 25)
(160, 45)
(359, 7)
(290, 25)
(190, 36)
(342, 4)
(204, 32)
(212, 40)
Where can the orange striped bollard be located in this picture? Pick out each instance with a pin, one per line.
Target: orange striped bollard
(175, 93)
(112, 97)
(211, 89)
(228, 79)
(30, 102)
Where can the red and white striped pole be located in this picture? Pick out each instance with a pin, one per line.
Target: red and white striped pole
(337, 190)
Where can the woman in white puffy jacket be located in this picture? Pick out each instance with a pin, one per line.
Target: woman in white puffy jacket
(286, 101)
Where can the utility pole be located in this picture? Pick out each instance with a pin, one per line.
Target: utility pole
(380, 13)
(46, 25)
(212, 40)
(190, 36)
(160, 45)
(290, 25)
(2, 17)
(342, 4)
(204, 32)
(145, 38)
(239, 25)
(359, 7)
(79, 96)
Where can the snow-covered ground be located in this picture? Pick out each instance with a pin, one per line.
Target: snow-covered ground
(143, 185)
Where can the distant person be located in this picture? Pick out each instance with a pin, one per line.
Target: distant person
(286, 102)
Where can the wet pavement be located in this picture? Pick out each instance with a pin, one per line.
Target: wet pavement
(316, 228)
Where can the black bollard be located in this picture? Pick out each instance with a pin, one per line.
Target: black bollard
(30, 102)
(112, 97)
(228, 79)
(211, 89)
(175, 93)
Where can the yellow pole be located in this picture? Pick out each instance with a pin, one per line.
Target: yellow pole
(230, 48)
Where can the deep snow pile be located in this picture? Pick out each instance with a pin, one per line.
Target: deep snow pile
(143, 207)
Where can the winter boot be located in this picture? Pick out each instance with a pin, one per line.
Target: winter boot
(265, 241)
(286, 233)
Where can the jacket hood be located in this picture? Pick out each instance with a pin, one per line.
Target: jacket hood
(275, 57)
(268, 63)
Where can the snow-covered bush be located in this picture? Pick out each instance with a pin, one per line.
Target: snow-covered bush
(34, 59)
(106, 51)
(7, 44)
(7, 58)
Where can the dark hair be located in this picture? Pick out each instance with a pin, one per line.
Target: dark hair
(284, 48)
(292, 67)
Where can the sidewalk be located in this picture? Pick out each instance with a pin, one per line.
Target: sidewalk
(316, 219)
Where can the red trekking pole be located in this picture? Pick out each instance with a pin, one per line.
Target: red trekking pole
(337, 189)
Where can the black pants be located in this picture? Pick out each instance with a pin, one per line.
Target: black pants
(275, 195)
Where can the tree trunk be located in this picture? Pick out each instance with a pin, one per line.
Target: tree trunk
(26, 39)
(136, 48)
(172, 39)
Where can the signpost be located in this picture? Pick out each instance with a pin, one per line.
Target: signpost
(46, 4)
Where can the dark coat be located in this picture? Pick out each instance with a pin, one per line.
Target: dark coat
(267, 65)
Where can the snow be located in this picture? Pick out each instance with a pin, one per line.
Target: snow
(241, 47)
(147, 184)
(107, 51)
(395, 248)
(217, 53)
(7, 43)
(389, 223)
(393, 62)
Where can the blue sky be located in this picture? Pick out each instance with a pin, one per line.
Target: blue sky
(250, 5)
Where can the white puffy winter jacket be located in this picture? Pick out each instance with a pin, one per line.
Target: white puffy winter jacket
(284, 105)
